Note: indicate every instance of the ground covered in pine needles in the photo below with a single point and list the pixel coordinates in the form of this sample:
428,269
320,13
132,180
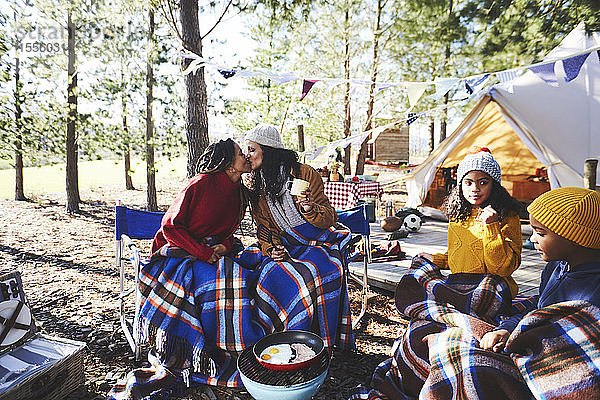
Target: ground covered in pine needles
70,279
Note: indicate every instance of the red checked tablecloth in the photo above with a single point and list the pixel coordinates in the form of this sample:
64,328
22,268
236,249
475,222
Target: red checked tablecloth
344,195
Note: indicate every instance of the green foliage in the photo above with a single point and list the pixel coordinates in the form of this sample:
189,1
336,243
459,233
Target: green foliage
520,32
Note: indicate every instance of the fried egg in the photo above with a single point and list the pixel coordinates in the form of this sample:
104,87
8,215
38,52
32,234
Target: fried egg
277,354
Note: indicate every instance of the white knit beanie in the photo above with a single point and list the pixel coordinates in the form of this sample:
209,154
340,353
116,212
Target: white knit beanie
266,135
480,161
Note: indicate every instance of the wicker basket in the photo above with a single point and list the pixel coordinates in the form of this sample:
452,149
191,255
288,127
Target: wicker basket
59,366
55,381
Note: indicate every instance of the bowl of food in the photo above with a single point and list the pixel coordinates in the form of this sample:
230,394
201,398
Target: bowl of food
289,350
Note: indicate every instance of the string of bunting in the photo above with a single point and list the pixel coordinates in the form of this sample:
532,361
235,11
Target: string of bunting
545,70
469,87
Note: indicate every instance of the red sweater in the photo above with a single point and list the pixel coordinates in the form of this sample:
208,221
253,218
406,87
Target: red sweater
208,206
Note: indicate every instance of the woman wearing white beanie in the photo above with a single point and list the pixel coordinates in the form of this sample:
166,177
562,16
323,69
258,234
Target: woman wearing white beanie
295,234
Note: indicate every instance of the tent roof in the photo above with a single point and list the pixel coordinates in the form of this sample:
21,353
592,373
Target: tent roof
492,131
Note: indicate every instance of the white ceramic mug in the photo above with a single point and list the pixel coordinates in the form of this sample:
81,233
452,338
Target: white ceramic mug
298,186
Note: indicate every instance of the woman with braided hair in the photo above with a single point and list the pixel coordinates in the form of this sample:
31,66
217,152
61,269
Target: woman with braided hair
195,305
208,210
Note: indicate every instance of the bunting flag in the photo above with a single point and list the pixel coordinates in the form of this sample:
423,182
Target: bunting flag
306,86
284,78
473,83
383,86
545,72
573,65
443,86
508,75
226,73
415,91
412,117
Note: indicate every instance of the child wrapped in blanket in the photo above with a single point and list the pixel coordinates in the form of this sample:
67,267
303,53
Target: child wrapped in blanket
484,234
566,233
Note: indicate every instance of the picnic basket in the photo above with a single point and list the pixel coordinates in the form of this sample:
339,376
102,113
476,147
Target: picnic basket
33,365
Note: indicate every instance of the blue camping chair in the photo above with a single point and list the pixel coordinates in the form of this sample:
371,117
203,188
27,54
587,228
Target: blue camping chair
357,221
132,224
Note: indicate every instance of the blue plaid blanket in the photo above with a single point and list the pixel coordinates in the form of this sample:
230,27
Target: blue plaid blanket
198,317
553,354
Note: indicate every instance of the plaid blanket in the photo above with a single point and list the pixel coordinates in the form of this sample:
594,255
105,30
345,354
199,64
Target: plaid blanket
553,353
198,317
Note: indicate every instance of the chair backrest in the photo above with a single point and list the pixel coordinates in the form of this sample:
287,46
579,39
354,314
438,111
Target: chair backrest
137,224
356,219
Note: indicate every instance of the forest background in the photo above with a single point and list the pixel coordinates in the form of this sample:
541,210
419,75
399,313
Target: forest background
100,79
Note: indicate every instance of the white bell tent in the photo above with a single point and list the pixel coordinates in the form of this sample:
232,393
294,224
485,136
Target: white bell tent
530,123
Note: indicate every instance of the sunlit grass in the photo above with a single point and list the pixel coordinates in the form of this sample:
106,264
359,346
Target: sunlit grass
51,178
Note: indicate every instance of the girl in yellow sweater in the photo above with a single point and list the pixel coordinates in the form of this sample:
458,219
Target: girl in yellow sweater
484,233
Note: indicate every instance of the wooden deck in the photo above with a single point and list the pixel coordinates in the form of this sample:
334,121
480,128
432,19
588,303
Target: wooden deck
432,238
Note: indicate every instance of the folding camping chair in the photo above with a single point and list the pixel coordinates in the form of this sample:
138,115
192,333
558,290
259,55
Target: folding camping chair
357,220
132,224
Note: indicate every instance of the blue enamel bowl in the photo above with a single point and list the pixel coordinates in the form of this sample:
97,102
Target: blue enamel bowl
266,384
301,391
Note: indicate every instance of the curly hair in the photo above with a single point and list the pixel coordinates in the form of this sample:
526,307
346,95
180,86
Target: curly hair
277,164
457,208
216,157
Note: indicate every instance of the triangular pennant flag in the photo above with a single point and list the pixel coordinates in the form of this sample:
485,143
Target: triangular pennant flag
572,66
443,86
284,78
306,86
383,86
332,83
226,73
546,73
412,117
472,83
415,91
508,75
247,73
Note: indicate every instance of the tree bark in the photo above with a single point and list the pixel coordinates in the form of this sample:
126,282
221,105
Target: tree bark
301,147
72,179
126,145
150,169
19,187
347,118
196,121
444,121
362,155
589,174
431,135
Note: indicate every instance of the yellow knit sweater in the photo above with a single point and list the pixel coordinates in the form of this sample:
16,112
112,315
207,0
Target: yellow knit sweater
479,248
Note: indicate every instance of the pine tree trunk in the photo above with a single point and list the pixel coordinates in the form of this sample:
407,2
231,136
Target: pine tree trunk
362,155
348,117
150,170
431,135
72,179
126,146
196,121
444,122
19,187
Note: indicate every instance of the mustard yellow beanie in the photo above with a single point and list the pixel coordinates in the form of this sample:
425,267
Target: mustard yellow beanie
571,212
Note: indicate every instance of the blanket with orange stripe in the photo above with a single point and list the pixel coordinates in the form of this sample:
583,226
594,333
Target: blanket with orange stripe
198,317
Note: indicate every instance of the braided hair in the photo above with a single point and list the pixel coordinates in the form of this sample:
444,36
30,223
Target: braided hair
216,157
277,164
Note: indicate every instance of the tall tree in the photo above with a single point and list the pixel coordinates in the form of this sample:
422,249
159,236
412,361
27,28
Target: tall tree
150,168
72,173
377,31
19,189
